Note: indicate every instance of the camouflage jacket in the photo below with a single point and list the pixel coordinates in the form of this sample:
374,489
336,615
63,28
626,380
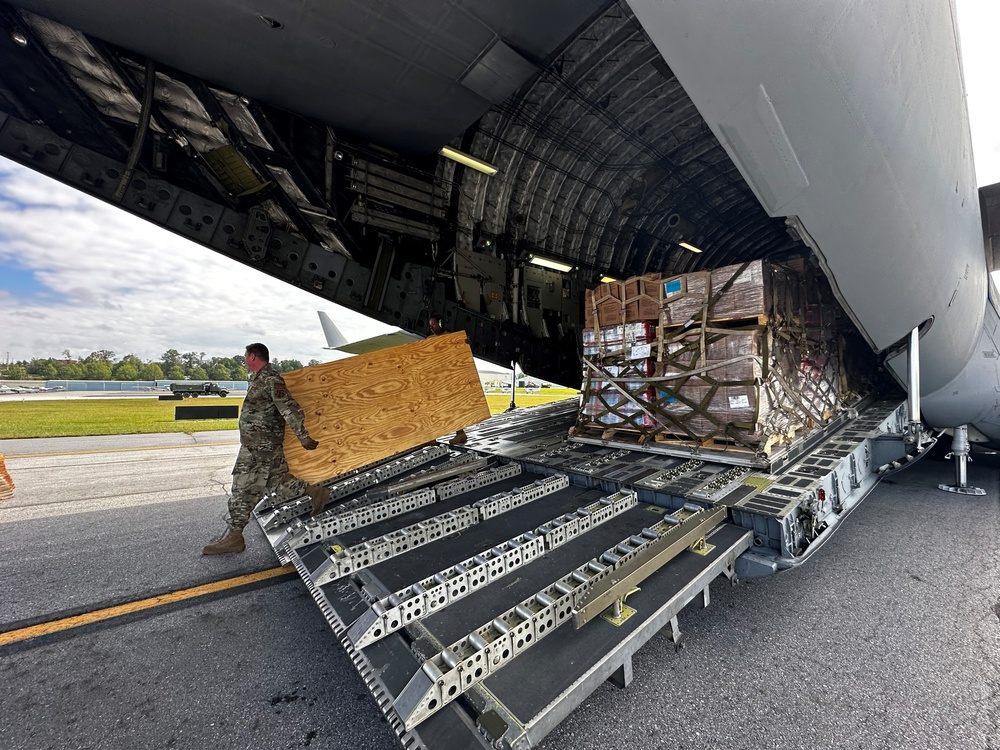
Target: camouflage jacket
266,409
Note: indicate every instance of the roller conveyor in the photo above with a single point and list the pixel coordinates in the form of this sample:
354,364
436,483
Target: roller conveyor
415,625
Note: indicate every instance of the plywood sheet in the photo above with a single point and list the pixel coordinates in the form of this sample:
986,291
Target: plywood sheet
374,405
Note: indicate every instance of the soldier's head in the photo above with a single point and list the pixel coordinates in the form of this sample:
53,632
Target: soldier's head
257,356
434,324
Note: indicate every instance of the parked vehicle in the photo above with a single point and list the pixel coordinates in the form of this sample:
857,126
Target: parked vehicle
193,390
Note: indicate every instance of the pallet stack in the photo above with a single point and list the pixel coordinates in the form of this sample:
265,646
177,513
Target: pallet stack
744,357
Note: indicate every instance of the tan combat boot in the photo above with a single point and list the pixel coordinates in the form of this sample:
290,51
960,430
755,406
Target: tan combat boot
319,496
230,542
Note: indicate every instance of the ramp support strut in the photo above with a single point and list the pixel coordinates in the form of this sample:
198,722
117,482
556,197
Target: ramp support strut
913,396
960,452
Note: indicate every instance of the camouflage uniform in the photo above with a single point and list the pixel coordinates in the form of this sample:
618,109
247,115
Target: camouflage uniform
260,466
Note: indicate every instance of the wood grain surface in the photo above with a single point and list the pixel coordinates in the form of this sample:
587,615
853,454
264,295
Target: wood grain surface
374,405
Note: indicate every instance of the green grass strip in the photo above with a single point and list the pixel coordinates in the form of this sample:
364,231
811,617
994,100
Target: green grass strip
99,416
133,416
499,403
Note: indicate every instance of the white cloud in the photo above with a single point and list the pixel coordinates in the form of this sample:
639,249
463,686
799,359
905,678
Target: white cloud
113,281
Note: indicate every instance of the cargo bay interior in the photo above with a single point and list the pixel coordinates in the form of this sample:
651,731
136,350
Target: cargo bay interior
724,430
604,162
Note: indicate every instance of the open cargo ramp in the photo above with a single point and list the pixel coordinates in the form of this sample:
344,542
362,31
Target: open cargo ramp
484,592
548,676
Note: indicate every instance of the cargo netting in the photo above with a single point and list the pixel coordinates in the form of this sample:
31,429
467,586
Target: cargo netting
744,356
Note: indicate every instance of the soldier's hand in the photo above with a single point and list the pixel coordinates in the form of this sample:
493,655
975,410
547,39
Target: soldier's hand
309,444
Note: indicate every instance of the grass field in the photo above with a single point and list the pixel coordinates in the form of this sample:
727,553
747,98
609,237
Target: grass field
131,416
98,416
499,402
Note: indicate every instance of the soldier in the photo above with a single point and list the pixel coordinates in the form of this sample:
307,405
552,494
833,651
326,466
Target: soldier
260,466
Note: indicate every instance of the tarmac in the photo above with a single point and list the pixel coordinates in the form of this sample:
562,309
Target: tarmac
888,637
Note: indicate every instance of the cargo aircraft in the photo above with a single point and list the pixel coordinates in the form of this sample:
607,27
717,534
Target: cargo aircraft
489,162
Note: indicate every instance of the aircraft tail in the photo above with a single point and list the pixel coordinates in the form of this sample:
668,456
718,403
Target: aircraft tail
334,338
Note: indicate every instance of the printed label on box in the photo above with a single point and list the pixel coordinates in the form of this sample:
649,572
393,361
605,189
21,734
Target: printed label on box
641,352
672,287
739,402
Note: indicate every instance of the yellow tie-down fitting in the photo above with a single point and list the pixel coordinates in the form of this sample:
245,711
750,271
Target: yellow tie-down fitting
619,612
701,547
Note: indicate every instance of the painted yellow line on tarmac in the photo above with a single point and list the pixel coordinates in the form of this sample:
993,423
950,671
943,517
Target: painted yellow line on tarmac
118,450
108,613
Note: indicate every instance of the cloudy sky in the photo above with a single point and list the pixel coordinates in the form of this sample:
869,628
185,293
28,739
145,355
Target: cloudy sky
77,274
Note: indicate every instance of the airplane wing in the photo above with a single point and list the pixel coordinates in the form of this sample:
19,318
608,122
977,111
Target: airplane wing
376,343
336,340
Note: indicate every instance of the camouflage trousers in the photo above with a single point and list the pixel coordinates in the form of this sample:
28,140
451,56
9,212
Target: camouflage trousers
256,474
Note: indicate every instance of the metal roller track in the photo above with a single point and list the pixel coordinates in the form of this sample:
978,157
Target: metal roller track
721,480
343,562
371,677
568,526
347,561
454,670
419,600
316,530
462,464
330,524
356,483
480,479
502,502
673,537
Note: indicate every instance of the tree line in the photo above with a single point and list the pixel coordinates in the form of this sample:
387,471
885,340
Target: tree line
103,365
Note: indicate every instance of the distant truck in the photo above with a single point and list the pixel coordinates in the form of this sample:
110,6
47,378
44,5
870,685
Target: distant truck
193,390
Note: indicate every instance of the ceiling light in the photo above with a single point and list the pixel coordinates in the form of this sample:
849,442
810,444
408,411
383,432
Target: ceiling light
555,265
19,38
608,279
470,161
686,246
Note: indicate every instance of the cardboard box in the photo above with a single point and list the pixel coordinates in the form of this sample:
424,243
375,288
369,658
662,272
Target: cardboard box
619,340
642,297
701,411
607,303
753,390
604,405
729,293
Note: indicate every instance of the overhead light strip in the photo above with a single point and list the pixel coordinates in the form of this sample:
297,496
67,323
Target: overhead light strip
468,160
686,246
555,265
